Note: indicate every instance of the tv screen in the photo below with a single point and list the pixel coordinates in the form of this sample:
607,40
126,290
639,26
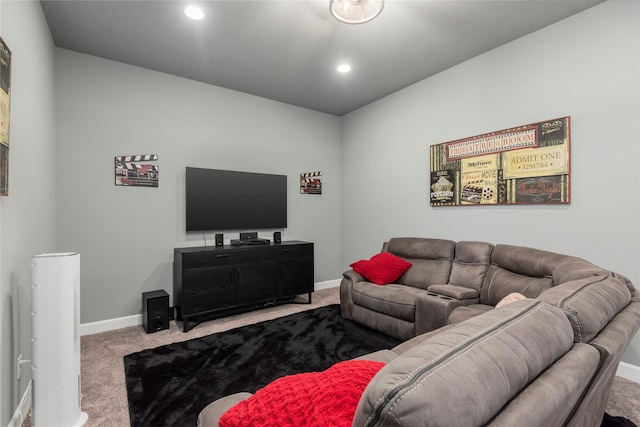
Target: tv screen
233,200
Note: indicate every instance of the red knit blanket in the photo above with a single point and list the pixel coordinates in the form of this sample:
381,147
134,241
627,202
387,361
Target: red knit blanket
314,399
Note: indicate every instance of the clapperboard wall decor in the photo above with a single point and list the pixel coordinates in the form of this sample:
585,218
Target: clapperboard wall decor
137,171
311,183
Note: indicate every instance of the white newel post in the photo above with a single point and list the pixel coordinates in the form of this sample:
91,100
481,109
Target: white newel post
55,340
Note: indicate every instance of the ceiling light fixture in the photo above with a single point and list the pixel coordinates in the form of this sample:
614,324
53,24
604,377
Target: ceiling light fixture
194,12
355,11
344,68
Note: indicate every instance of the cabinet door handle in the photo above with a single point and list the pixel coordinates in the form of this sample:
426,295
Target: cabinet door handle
222,256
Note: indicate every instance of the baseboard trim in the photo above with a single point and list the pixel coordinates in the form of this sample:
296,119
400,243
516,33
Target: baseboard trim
327,284
136,319
629,372
110,324
23,409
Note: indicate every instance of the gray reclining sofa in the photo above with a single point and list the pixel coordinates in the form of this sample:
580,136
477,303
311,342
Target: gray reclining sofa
547,360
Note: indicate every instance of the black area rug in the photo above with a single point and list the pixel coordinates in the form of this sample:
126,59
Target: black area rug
170,385
609,421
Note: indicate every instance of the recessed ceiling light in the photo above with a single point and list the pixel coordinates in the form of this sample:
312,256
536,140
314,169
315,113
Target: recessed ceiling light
194,12
344,68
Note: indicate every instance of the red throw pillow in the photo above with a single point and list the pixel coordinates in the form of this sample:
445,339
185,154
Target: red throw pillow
382,268
316,399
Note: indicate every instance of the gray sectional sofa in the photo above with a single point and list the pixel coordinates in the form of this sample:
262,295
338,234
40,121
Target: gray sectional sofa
547,360
449,282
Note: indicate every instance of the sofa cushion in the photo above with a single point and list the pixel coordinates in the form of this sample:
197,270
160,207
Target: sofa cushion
466,312
431,259
464,375
526,261
573,268
470,264
314,398
388,325
589,303
518,269
394,300
381,268
500,282
462,313
421,248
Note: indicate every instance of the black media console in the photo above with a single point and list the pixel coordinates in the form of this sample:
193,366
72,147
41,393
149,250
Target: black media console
216,281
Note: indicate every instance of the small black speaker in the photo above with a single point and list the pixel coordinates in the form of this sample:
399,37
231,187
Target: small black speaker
277,237
219,239
155,311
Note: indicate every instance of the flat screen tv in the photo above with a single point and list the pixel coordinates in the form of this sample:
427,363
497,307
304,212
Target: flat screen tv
234,200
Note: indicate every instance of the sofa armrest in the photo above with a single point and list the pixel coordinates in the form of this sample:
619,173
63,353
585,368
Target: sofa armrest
349,277
611,342
432,310
384,356
353,276
412,342
210,415
626,281
454,291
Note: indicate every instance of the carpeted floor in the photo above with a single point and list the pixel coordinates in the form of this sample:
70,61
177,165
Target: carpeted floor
103,379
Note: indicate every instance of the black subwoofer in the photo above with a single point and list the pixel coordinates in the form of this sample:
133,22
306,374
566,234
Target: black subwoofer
155,311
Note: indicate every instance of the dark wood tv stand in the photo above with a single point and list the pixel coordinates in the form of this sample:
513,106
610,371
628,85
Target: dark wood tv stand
215,281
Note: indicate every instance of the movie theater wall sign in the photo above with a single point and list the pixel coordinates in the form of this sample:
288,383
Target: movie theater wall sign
5,103
521,165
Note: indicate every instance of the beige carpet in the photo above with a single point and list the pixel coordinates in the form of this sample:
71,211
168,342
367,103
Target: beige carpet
103,383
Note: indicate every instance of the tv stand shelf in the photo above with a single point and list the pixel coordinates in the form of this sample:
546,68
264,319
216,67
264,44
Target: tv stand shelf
216,281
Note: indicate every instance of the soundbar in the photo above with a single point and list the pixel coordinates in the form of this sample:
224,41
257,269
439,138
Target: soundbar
256,241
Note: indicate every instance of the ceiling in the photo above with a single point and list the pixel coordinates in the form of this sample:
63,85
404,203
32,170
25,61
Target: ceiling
288,50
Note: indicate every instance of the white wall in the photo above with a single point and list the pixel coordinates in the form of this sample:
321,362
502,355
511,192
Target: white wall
126,235
579,67
27,215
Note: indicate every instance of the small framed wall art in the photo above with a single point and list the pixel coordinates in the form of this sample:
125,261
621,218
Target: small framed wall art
311,183
137,171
